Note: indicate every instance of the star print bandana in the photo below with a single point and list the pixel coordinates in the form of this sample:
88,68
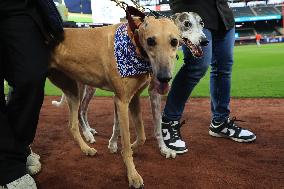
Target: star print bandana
127,60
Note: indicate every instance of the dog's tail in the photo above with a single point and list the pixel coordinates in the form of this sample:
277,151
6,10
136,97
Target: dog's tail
59,103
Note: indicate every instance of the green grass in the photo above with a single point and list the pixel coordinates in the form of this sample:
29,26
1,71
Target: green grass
83,18
257,72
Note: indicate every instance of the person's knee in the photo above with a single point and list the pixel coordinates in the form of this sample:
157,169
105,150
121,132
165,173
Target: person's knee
221,70
203,69
198,70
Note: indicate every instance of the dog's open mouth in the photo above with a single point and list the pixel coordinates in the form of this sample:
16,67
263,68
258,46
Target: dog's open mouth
162,87
195,49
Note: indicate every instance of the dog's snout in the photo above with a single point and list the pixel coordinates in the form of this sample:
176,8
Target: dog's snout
204,41
164,78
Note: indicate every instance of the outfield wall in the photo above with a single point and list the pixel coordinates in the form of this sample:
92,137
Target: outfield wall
250,40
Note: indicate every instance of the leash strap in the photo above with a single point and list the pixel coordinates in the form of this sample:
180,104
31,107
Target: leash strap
132,11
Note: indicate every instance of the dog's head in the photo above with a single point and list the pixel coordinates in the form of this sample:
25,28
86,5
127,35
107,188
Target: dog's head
160,39
191,25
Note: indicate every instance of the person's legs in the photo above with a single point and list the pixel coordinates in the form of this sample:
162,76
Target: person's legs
26,61
220,87
7,139
186,79
183,84
2,95
220,75
258,42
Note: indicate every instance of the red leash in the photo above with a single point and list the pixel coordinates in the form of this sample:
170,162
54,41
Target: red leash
132,11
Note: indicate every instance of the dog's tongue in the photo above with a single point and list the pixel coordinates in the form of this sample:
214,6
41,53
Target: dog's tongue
163,88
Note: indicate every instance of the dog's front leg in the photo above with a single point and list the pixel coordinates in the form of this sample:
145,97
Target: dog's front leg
134,178
155,99
135,113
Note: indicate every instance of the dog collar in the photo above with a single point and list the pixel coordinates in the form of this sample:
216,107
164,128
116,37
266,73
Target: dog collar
127,60
133,27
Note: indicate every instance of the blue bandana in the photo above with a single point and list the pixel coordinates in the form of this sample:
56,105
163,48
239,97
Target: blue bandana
127,60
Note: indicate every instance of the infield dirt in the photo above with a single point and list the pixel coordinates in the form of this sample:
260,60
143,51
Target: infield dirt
210,162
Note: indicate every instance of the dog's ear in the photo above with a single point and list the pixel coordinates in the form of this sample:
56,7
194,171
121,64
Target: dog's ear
174,16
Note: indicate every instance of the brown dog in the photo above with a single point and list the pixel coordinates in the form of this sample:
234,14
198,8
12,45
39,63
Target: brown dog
190,25
87,56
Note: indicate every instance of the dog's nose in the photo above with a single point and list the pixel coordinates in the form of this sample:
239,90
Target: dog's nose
163,78
164,75
204,41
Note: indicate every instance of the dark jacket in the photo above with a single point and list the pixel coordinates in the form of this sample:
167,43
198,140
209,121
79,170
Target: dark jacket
49,21
43,12
216,14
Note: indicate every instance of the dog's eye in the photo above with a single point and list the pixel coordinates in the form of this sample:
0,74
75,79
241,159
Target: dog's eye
151,41
174,42
187,24
201,23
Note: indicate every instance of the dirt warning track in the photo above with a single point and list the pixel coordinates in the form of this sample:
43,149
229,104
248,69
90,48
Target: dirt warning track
210,162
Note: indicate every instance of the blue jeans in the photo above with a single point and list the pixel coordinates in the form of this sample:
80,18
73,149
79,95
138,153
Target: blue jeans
219,54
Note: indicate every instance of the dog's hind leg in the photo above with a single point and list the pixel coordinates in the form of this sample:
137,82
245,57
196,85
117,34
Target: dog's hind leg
155,100
87,94
122,111
112,144
135,113
71,90
73,102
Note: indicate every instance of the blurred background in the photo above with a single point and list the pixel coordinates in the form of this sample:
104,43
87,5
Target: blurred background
252,17
258,69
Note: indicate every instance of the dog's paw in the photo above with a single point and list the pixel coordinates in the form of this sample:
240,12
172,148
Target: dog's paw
89,136
89,151
135,180
93,131
168,153
112,146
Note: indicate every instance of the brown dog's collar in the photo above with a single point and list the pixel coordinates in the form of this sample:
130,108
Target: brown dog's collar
135,40
132,28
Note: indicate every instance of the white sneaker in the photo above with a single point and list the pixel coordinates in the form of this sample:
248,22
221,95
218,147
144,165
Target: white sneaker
228,129
25,182
33,164
172,136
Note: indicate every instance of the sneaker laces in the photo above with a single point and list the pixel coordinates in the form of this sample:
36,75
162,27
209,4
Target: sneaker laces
232,123
176,131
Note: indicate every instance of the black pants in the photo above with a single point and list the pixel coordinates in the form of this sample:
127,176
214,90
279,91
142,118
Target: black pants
23,63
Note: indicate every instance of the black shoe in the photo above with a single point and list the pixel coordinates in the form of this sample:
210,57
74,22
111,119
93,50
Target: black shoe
172,137
228,129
